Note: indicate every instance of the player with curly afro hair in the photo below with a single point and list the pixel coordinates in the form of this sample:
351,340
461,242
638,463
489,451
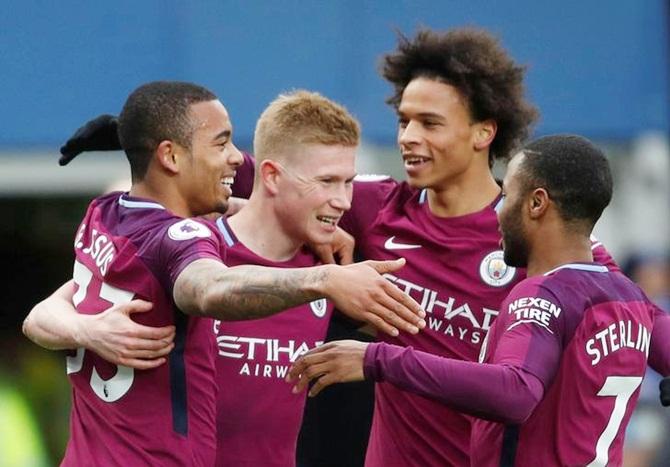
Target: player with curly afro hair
474,63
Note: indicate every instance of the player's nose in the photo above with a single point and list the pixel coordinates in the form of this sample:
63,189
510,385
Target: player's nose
342,198
409,135
235,157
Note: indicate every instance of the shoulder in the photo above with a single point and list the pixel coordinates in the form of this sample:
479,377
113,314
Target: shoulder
175,237
536,285
374,184
535,301
180,230
383,188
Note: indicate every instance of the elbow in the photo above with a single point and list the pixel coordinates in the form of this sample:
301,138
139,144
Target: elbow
520,401
512,412
208,304
31,330
198,305
521,408
27,327
205,303
519,415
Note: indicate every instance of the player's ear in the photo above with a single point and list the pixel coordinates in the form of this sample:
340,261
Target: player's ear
484,134
270,173
539,203
167,156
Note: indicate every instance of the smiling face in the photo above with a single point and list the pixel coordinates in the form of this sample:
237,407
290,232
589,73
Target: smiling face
435,133
511,217
314,189
207,173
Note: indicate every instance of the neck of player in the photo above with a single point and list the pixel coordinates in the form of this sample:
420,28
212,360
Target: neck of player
266,238
554,247
469,193
167,196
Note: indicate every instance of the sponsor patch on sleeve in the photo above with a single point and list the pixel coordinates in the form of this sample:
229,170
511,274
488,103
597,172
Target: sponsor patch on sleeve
533,310
188,229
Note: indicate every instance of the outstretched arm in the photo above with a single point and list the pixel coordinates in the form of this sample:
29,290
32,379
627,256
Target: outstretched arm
498,392
523,358
55,324
206,287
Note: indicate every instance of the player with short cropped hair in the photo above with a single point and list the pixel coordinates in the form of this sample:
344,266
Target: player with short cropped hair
563,362
146,244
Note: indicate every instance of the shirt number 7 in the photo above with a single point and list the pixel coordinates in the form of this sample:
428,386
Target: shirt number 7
622,388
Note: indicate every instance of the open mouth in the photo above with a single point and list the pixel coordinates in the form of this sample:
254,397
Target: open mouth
228,181
414,161
328,220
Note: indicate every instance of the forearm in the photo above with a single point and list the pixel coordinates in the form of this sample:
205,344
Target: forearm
247,292
497,392
54,323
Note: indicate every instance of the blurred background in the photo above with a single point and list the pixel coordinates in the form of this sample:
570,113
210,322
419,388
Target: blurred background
600,69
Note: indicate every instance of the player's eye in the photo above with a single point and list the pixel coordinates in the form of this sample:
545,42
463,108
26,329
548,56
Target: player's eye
402,122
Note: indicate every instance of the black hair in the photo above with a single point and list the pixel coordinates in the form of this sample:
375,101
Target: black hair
575,173
156,112
474,63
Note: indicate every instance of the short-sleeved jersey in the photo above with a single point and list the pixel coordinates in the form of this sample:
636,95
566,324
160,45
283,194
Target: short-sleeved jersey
585,334
258,418
132,248
455,271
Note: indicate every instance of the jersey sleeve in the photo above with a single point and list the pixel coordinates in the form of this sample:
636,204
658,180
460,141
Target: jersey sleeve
602,256
531,337
659,350
183,242
244,177
370,191
496,392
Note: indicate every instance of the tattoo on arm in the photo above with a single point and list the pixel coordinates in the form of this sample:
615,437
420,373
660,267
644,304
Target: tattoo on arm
245,292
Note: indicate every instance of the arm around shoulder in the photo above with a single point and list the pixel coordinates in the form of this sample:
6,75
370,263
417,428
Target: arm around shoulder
55,324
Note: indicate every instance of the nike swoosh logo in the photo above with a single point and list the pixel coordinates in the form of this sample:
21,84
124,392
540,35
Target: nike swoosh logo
390,244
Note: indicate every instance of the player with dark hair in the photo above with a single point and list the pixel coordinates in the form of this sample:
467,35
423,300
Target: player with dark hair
473,64
146,244
460,104
564,360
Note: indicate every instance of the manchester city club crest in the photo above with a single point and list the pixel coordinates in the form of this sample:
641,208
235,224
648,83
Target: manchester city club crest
494,271
319,307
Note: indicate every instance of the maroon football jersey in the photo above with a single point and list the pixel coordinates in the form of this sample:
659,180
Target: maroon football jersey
132,248
258,418
455,271
585,333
